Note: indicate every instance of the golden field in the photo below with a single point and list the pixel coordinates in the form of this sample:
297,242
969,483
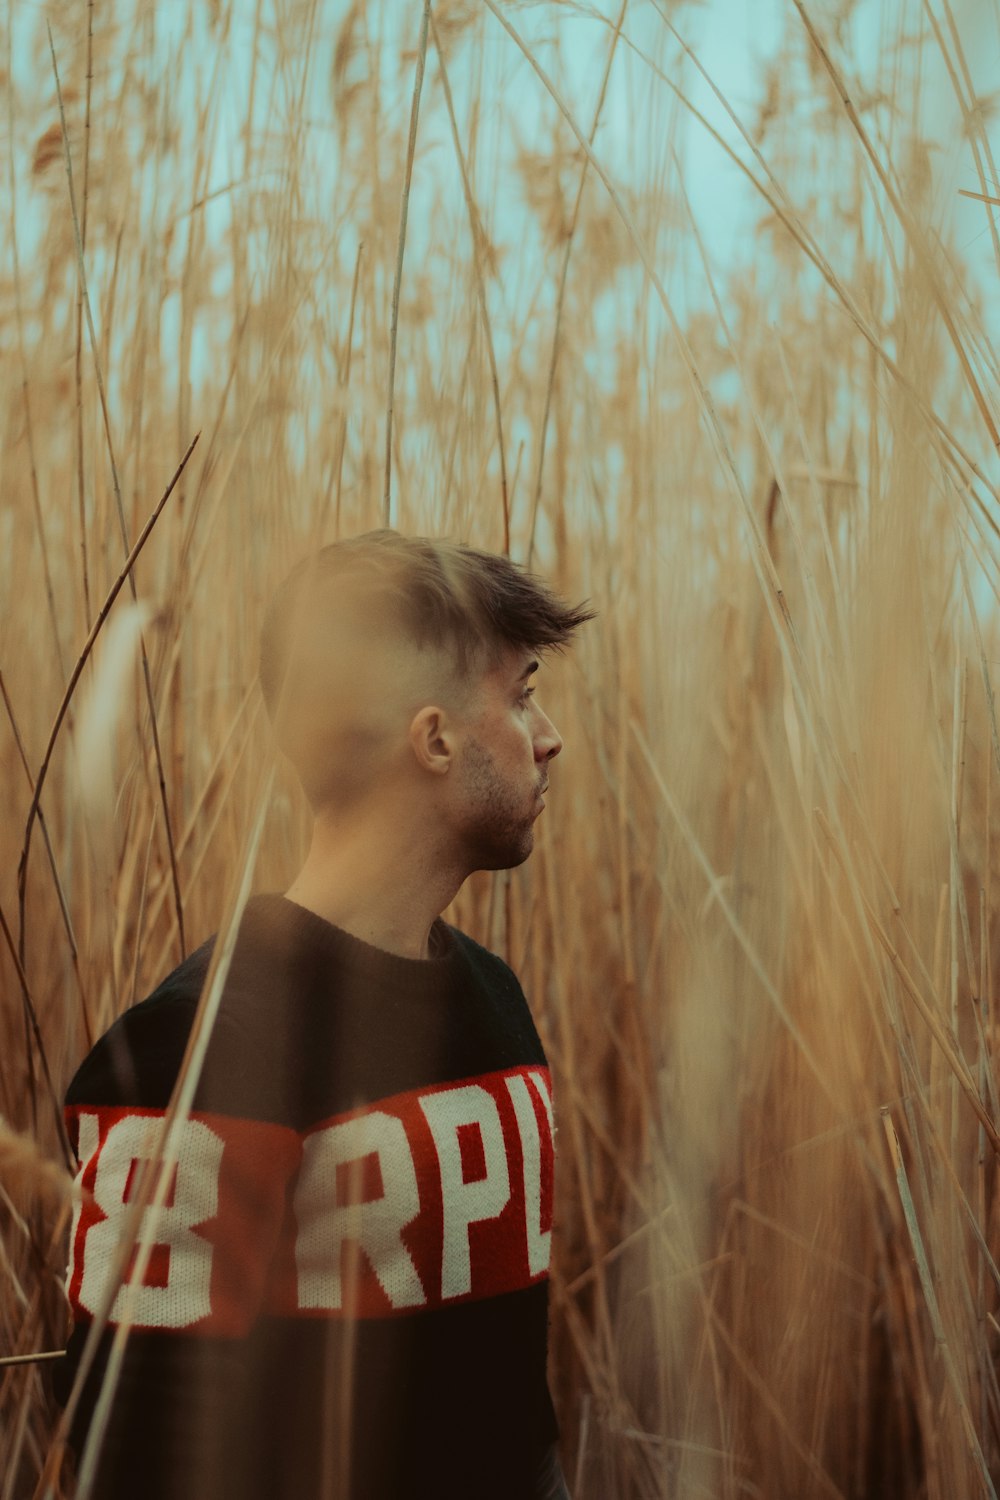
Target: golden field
759,930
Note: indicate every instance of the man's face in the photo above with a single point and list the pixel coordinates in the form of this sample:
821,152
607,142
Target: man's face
503,767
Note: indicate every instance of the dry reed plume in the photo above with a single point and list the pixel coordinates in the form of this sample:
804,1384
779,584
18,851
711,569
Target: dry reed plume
759,930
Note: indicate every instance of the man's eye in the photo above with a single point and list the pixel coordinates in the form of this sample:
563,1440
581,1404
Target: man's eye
525,696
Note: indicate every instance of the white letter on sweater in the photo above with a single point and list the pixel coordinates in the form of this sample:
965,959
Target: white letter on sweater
539,1243
183,1295
88,1140
376,1226
464,1202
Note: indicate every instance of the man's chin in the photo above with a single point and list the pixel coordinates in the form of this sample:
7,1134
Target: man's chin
522,853
507,858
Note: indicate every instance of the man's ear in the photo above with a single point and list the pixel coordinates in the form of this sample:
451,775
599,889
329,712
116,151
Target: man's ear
433,740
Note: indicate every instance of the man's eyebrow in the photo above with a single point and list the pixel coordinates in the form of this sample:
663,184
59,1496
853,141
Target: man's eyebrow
531,667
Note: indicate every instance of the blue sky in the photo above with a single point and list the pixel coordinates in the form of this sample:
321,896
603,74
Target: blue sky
734,40
643,136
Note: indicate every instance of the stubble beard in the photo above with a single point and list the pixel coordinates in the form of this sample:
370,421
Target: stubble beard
499,826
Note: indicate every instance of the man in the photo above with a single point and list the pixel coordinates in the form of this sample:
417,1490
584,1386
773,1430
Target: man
346,1291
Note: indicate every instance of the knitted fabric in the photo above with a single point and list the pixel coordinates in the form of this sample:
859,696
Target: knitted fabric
346,1293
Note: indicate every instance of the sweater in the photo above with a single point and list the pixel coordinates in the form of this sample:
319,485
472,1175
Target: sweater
347,1296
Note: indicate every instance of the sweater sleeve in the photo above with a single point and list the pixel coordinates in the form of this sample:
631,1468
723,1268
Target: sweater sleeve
175,1421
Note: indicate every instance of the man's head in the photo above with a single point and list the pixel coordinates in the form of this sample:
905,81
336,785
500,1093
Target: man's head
399,668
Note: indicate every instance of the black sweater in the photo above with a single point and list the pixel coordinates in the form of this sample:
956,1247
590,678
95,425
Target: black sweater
348,1292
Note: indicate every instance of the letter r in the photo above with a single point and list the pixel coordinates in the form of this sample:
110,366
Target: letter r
325,1224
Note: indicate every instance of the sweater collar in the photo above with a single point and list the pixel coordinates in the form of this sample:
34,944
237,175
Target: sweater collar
275,918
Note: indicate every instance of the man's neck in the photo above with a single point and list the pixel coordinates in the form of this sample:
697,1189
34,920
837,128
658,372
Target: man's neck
383,885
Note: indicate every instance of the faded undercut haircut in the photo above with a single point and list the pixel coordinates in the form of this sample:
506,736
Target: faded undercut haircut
471,605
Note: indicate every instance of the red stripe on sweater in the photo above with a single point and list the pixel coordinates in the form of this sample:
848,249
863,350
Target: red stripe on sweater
216,1235
426,1198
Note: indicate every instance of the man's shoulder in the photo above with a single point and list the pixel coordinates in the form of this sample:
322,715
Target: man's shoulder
488,966
504,1007
137,1059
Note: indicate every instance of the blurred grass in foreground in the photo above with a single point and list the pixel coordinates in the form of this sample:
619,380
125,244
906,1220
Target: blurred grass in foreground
759,929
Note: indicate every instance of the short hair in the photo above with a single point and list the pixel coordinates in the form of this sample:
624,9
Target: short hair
446,595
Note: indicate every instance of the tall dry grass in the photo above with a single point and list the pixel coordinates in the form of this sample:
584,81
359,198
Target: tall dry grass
759,930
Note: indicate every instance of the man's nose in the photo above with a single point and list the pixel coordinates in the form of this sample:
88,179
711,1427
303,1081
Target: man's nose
548,742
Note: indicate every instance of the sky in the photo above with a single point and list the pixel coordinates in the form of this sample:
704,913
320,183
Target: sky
645,137
734,41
